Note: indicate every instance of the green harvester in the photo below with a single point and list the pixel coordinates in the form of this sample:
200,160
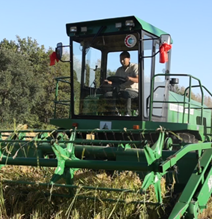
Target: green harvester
167,134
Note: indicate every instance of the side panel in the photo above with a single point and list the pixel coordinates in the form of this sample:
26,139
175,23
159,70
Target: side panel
176,110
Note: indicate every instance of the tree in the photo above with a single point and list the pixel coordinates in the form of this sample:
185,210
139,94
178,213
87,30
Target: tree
18,89
27,83
45,106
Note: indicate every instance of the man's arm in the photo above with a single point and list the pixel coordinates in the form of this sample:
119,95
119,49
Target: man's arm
135,72
134,80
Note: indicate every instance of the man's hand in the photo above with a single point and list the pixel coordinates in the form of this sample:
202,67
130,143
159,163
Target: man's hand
107,82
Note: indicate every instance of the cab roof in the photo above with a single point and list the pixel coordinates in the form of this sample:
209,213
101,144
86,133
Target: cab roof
109,26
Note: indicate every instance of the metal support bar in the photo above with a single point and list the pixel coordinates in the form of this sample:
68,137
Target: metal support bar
88,164
172,160
198,181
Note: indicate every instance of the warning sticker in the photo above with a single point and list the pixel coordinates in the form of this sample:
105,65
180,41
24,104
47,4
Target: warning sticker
105,125
130,40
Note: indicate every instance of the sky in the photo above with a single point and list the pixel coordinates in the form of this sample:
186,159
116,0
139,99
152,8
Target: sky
189,23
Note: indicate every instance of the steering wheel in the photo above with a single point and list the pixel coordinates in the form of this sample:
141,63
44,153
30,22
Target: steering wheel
114,87
117,80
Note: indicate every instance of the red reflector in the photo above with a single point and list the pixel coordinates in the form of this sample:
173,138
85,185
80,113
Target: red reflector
164,48
53,57
136,126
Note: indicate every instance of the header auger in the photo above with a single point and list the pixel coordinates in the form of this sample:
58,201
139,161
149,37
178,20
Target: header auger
167,137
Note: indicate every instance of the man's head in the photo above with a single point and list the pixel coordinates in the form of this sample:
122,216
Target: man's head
125,58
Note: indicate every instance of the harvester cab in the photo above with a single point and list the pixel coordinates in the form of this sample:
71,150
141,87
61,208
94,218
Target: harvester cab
162,131
95,48
156,100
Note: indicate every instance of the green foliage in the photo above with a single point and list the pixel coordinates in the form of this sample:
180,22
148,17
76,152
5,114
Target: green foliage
45,107
87,76
18,91
27,84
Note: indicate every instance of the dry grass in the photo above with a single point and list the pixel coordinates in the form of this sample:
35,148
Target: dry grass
38,202
19,127
207,213
33,201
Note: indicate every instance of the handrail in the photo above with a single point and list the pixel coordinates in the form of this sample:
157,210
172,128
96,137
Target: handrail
61,102
188,103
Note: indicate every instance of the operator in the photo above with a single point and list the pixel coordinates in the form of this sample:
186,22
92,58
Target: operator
129,89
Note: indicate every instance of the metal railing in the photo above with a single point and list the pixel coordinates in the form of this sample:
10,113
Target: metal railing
187,105
61,102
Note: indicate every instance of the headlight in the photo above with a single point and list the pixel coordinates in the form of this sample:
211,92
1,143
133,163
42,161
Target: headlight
84,29
73,29
118,25
129,23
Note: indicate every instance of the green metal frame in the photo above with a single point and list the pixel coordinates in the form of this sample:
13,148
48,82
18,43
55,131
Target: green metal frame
152,160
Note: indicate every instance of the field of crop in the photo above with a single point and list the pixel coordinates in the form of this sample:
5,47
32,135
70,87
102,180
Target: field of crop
33,201
40,202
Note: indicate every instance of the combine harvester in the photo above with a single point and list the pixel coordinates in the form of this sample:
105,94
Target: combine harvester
168,132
